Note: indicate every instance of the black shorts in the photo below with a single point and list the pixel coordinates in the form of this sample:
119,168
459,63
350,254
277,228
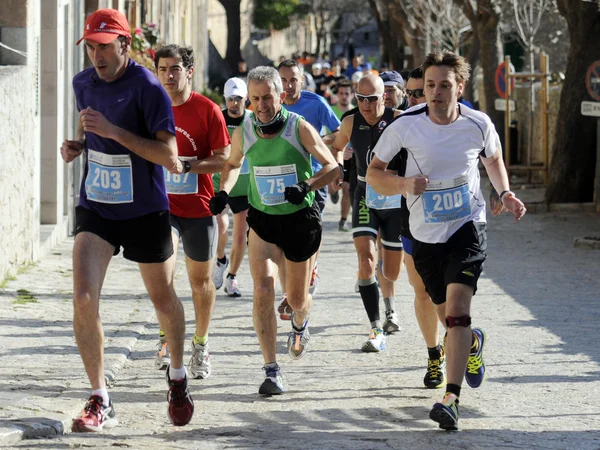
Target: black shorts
321,198
238,204
460,260
368,221
145,239
347,169
199,236
298,235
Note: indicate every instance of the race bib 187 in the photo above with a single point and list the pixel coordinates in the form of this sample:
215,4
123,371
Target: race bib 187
181,184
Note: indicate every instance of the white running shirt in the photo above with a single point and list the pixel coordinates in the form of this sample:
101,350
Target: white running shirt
449,156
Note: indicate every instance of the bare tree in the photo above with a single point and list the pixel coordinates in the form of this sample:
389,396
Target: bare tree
528,18
573,165
391,43
327,12
442,22
485,16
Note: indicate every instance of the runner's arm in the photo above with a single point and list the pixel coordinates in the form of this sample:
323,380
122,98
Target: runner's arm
312,142
342,138
231,168
213,163
383,181
494,166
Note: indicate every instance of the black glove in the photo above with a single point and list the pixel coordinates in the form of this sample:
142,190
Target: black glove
295,194
218,203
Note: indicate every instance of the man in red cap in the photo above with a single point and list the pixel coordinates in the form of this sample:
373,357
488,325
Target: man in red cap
126,134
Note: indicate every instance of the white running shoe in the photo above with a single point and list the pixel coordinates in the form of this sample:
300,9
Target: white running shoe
199,364
162,358
218,273
231,288
376,342
391,324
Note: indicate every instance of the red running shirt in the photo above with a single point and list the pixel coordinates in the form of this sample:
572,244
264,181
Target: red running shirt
201,128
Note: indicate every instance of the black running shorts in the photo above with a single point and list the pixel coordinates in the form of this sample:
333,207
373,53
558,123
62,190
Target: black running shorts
145,239
459,260
298,234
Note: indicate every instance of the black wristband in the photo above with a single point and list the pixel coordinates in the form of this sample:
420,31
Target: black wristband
502,194
187,166
308,186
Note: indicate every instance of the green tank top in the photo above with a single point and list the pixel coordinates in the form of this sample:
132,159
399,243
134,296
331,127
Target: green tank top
275,164
241,185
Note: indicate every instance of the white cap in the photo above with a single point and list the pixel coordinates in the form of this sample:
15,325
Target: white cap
357,76
235,87
316,66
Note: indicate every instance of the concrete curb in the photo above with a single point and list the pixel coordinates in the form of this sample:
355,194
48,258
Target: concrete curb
14,431
589,242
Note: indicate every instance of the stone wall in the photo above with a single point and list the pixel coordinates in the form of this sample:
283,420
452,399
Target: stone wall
19,161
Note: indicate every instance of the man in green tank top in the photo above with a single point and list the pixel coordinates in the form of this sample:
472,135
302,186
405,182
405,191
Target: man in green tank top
284,220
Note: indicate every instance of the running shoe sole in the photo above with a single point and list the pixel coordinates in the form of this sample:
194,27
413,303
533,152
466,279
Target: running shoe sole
390,327
269,388
445,420
368,347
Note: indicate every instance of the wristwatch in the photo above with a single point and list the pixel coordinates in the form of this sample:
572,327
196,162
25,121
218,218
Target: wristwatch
187,166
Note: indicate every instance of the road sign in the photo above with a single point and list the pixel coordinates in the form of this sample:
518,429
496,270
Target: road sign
590,109
592,80
500,104
500,79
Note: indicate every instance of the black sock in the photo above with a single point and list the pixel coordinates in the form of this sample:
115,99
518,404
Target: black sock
370,298
231,275
453,389
222,260
343,220
435,352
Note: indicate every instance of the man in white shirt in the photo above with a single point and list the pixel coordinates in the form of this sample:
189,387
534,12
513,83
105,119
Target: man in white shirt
442,143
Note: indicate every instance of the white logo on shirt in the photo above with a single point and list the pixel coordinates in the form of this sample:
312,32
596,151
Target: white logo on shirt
121,99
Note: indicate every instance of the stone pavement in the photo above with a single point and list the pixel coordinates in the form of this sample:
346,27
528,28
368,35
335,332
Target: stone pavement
538,301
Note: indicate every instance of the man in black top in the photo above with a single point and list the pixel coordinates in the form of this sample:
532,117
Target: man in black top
394,90
371,212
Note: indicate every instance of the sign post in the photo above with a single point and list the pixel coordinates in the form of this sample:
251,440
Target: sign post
592,109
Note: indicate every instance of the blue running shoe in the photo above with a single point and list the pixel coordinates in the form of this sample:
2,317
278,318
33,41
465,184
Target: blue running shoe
273,384
446,412
475,374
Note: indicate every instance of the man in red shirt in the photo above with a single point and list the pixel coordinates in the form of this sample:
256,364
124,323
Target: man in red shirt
203,146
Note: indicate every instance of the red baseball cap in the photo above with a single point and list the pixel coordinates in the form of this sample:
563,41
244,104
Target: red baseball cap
105,25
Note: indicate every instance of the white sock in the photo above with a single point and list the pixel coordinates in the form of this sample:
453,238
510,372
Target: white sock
102,393
177,374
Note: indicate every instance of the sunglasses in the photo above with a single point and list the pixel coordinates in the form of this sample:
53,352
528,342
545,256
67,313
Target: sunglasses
368,98
416,93
234,99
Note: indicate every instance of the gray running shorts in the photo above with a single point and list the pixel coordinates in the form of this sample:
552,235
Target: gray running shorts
199,236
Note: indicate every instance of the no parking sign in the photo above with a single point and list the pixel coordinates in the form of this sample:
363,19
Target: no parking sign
500,79
592,80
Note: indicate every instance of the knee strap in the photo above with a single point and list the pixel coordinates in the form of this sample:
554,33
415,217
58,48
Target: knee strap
462,321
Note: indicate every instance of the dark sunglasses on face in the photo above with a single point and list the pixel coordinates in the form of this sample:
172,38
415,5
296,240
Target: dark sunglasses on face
234,99
368,98
416,93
